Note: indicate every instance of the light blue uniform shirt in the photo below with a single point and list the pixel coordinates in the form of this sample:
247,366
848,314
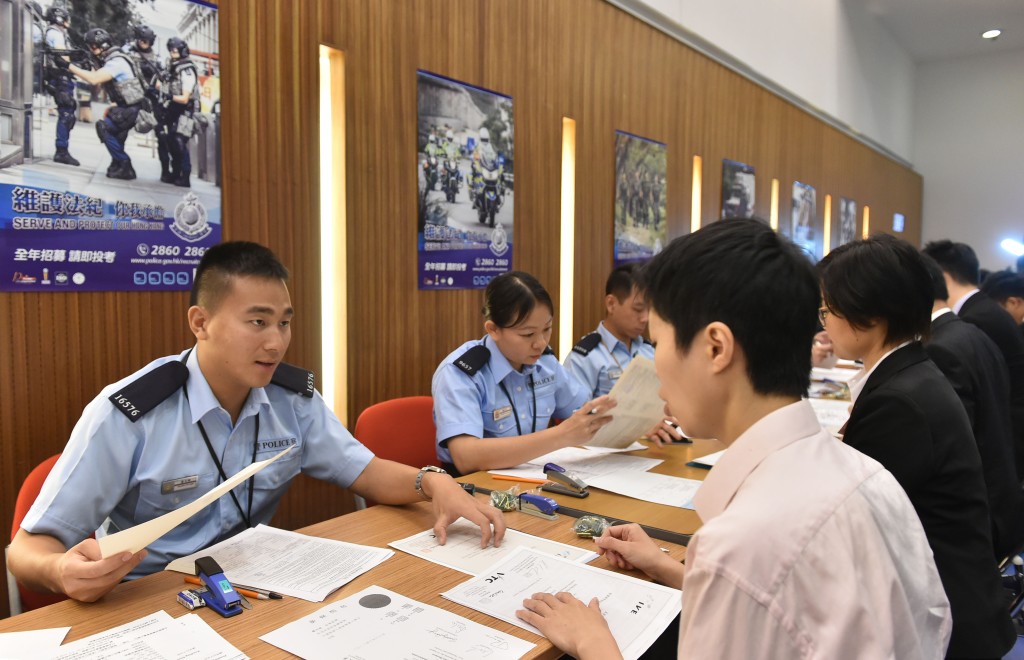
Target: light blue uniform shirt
476,405
119,69
115,474
599,370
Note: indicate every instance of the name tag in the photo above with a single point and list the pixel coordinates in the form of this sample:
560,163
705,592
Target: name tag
614,374
178,485
502,413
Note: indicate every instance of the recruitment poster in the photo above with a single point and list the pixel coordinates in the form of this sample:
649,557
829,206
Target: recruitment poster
737,189
802,229
110,144
847,220
465,171
640,199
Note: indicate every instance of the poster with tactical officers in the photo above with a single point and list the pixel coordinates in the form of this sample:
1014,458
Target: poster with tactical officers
641,201
109,144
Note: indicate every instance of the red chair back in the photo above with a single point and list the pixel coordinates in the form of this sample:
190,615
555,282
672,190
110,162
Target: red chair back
30,488
400,430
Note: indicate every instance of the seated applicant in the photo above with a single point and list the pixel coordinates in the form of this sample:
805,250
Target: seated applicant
495,397
973,366
878,299
808,548
169,433
599,359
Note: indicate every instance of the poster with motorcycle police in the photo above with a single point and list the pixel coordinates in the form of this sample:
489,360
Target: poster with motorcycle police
464,165
110,144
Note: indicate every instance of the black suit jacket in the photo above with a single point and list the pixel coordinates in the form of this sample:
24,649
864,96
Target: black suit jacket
996,322
908,418
974,367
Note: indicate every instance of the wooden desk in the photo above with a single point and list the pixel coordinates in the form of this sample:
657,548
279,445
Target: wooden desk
604,503
376,526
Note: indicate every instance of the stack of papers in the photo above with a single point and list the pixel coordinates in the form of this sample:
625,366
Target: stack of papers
637,611
378,623
306,567
584,462
31,643
650,487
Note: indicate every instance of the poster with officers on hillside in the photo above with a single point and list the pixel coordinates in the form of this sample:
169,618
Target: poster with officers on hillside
109,144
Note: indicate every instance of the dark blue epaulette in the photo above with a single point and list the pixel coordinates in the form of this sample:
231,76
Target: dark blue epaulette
149,390
296,379
548,350
473,360
587,344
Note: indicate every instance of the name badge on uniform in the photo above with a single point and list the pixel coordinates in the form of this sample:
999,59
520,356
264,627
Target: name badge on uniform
178,485
614,374
502,413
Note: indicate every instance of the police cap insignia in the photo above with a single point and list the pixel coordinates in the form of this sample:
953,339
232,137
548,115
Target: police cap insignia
150,390
472,360
298,380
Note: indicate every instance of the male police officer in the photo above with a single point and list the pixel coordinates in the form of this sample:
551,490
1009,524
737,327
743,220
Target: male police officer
59,82
121,81
178,112
164,436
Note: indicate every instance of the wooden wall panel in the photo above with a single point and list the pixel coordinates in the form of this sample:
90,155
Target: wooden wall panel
584,59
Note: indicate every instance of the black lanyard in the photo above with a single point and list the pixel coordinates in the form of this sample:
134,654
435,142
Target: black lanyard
515,413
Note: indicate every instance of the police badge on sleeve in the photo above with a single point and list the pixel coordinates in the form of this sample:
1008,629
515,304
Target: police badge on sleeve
190,219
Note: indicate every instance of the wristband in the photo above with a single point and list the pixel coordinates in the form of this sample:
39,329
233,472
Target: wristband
419,478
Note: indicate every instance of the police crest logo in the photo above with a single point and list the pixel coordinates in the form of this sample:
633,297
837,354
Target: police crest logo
499,241
190,219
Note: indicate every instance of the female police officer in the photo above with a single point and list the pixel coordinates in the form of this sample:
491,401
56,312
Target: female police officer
494,397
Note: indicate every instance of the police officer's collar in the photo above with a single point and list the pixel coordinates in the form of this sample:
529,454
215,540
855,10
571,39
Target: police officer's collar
201,398
500,366
610,340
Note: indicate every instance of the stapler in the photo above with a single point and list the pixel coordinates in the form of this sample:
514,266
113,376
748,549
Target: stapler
538,505
561,481
220,596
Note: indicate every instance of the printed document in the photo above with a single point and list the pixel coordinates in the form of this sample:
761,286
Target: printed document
650,487
30,643
637,611
639,406
831,414
293,564
582,461
138,537
378,623
155,637
462,550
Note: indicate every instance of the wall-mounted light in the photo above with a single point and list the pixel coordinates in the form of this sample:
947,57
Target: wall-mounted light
773,212
991,35
695,198
826,238
1016,248
867,223
567,239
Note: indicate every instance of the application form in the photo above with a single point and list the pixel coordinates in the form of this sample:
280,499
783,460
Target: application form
639,406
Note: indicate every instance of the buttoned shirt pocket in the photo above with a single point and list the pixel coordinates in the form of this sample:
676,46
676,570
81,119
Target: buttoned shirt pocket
502,427
279,473
159,497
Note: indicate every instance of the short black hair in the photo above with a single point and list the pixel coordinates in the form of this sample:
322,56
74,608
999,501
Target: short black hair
939,289
879,278
1002,285
956,259
758,283
510,297
232,259
621,281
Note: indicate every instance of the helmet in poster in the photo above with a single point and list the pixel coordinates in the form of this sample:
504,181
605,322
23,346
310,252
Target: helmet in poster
449,135
144,33
97,38
432,139
175,43
57,15
485,135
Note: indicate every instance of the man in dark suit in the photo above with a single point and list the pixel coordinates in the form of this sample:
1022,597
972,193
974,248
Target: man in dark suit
1007,289
960,267
974,367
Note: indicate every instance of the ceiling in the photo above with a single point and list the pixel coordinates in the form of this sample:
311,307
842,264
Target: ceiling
931,30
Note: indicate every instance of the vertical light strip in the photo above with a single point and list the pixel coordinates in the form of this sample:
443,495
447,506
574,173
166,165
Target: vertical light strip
698,178
826,240
773,213
333,250
867,222
566,275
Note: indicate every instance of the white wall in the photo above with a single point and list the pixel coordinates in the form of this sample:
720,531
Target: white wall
969,147
831,53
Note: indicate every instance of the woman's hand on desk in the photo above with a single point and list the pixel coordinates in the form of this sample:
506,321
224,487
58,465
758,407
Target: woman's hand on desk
575,628
451,503
628,547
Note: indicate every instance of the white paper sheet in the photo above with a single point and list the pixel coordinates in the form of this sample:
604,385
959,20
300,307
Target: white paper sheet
639,406
636,446
31,643
835,374
832,414
650,487
138,537
155,637
707,461
306,567
378,623
462,550
637,611
584,462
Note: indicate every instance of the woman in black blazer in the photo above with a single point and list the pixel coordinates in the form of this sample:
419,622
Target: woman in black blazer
877,306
